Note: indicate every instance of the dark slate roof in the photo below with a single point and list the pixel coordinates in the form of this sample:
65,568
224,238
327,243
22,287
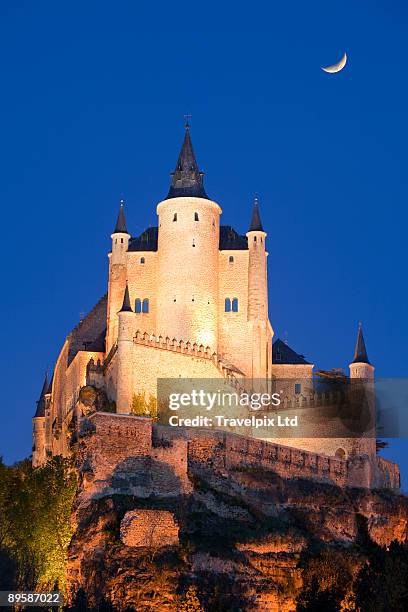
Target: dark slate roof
120,226
360,353
98,345
147,241
256,223
126,307
40,412
187,180
282,353
231,240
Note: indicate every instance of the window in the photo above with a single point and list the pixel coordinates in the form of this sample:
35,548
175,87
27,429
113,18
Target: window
145,306
193,242
340,453
254,238
142,260
278,356
196,216
235,305
227,305
138,306
175,217
298,388
121,240
231,259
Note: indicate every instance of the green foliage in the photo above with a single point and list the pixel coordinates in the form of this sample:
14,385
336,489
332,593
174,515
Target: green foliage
144,407
35,510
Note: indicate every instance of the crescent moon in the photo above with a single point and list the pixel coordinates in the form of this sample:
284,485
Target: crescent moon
336,67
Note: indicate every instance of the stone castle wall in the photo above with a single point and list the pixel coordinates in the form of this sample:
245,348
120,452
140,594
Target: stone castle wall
233,327
126,455
142,283
149,528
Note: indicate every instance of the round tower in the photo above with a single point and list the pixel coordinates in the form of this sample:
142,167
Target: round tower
258,294
188,246
363,396
39,441
124,383
117,275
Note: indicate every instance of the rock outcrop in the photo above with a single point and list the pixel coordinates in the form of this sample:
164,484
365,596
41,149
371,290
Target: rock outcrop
238,535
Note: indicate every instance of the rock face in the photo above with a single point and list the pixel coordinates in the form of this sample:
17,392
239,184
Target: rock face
147,526
149,529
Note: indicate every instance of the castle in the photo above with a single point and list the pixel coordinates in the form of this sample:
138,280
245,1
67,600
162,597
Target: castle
187,298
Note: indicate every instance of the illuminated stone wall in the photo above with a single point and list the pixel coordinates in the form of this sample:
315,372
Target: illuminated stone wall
187,279
149,528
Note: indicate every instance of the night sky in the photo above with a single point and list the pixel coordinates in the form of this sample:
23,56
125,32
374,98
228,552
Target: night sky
92,105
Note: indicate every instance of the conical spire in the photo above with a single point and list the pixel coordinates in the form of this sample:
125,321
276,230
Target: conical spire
360,353
40,412
187,180
126,307
120,227
256,223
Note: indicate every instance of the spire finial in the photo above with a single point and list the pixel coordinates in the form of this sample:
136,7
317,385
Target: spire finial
360,352
256,223
187,118
120,227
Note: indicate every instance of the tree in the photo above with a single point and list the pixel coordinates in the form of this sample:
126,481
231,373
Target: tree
382,584
189,602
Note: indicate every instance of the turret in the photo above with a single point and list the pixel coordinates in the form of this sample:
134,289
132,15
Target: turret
126,333
257,273
360,367
39,450
258,293
120,237
117,275
188,247
363,397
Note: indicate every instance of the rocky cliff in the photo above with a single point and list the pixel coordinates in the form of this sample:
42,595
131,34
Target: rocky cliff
148,527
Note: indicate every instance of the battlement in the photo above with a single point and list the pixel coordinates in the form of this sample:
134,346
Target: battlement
191,349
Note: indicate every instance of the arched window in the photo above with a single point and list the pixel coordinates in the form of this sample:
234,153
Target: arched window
121,240
231,259
138,306
175,217
196,216
340,453
193,242
142,260
145,306
227,305
235,305
254,238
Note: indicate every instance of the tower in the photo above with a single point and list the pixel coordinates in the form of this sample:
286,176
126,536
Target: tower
363,396
188,244
117,275
360,367
124,385
258,295
39,454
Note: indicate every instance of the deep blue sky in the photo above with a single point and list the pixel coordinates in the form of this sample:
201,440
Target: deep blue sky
92,105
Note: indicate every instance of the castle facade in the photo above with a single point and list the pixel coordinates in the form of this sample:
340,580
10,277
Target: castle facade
187,298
